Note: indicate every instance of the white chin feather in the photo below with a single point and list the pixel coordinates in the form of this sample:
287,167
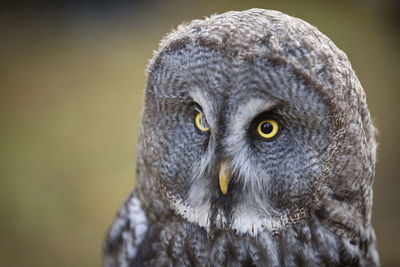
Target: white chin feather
244,220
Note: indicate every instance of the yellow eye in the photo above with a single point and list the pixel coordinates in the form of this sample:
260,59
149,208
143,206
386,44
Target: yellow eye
201,122
267,129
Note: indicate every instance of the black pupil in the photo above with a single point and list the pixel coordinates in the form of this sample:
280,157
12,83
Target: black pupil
267,127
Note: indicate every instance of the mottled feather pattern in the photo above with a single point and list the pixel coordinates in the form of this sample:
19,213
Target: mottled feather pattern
301,199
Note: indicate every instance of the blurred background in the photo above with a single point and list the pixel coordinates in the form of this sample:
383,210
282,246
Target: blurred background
71,89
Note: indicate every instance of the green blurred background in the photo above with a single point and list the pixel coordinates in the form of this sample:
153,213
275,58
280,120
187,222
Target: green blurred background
71,89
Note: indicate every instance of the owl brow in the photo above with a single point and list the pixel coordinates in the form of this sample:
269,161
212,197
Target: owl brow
272,106
175,100
175,104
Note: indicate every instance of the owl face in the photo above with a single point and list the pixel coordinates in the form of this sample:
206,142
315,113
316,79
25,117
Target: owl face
219,116
244,126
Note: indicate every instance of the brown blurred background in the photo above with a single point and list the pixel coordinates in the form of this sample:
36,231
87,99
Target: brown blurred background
71,88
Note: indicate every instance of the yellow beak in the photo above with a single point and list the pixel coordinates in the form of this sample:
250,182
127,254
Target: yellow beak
224,176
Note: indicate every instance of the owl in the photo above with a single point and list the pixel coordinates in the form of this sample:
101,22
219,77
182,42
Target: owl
256,148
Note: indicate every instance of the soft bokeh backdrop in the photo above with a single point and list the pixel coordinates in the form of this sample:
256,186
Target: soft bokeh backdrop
71,88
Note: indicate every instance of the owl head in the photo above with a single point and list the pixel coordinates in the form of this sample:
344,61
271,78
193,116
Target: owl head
254,121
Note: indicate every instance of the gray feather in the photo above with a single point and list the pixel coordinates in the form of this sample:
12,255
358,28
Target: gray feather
301,199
